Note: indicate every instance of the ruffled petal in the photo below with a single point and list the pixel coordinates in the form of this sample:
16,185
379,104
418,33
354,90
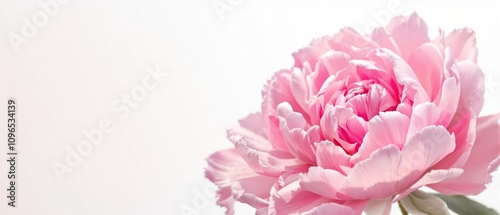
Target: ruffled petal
408,33
483,160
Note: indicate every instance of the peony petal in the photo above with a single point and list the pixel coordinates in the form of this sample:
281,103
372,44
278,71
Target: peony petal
483,160
299,142
389,170
382,38
330,208
300,88
268,162
406,76
471,89
292,199
280,92
225,168
408,33
421,203
324,182
433,177
329,65
348,39
331,156
423,115
310,55
378,135
253,191
427,63
463,44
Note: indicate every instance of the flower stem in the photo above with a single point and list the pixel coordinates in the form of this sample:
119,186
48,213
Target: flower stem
403,210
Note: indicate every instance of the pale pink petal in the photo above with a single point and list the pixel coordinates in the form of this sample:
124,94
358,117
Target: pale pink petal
329,64
389,170
423,115
465,134
225,168
448,101
269,162
280,92
374,177
483,160
408,33
378,135
253,191
463,44
324,182
330,123
310,55
331,156
471,88
330,208
299,142
405,76
292,199
432,177
300,88
382,38
348,39
427,63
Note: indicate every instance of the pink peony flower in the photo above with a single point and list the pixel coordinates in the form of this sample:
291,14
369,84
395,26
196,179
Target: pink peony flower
362,121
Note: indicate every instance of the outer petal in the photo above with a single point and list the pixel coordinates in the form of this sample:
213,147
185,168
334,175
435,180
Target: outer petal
484,159
269,162
310,55
348,39
471,89
427,63
408,32
330,208
224,169
254,190
389,171
432,177
324,182
463,44
382,37
292,199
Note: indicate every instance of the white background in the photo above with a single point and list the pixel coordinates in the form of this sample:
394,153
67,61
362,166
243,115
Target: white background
89,53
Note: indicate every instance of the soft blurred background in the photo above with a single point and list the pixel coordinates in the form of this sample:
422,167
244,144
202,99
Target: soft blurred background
72,64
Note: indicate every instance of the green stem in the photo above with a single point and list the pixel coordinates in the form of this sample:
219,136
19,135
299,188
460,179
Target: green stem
403,210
